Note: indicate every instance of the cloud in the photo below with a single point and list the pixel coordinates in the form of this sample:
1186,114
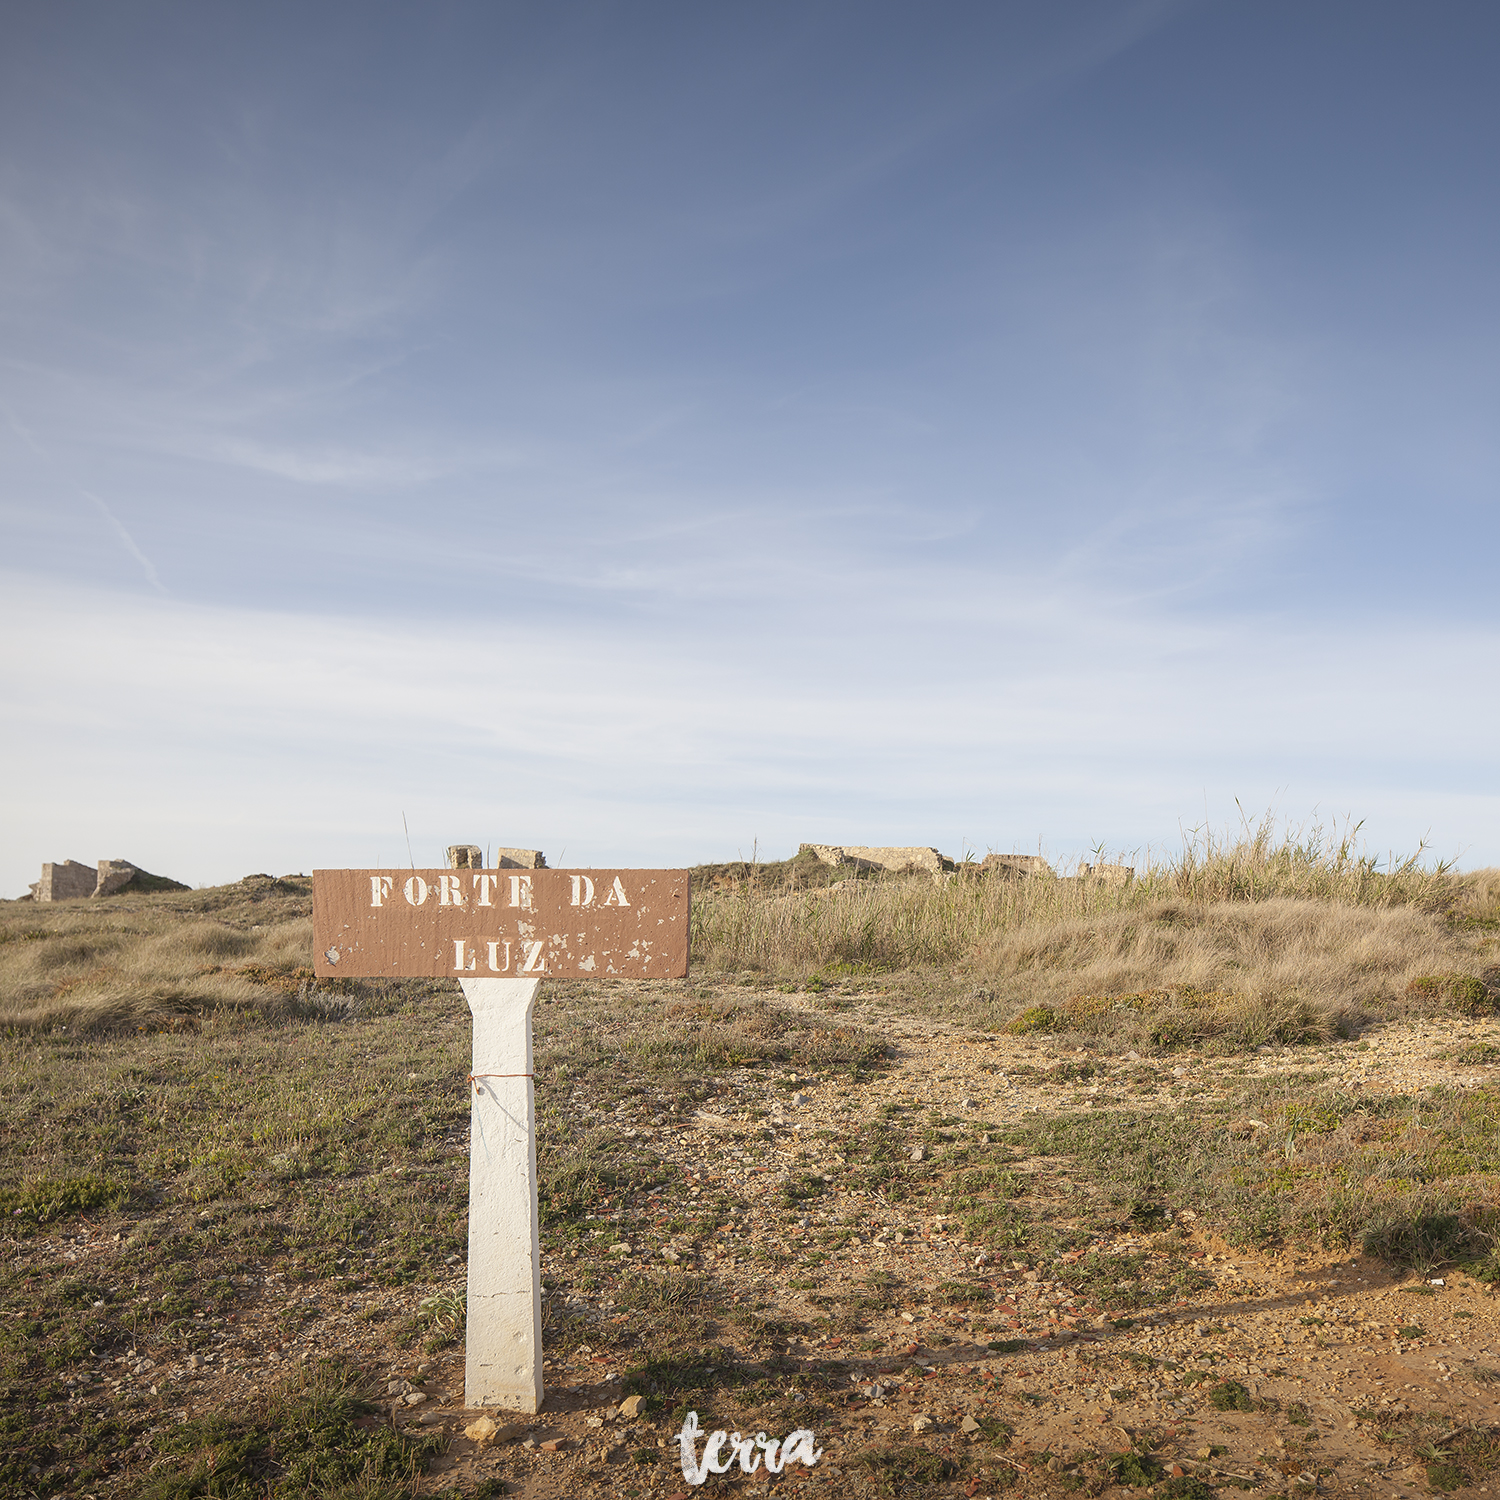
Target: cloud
345,467
221,740
127,541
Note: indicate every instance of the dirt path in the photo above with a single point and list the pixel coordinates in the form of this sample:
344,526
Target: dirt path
1274,1377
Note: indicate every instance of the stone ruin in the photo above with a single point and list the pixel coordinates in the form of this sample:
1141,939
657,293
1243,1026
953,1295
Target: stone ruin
68,880
1014,866
919,859
471,857
913,860
64,881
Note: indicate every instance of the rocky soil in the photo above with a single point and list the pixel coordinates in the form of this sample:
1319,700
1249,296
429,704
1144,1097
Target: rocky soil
1301,1374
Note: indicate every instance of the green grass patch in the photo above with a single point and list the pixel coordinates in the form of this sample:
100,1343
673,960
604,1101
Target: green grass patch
46,1198
306,1439
1230,1395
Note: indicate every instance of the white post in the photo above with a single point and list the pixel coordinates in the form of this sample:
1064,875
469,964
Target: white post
503,1365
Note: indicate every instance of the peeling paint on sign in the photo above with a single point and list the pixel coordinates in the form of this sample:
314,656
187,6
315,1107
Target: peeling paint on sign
476,924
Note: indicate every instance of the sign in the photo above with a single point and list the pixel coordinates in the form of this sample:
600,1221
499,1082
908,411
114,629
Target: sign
500,924
500,933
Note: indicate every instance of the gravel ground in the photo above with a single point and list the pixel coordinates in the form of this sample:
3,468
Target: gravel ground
1312,1340
1276,1376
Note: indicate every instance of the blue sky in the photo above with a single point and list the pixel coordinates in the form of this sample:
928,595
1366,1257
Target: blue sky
651,432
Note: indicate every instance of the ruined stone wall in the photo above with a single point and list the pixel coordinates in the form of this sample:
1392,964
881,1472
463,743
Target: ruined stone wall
871,857
66,881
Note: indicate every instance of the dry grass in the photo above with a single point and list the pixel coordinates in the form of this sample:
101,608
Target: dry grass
1294,937
1291,939
142,960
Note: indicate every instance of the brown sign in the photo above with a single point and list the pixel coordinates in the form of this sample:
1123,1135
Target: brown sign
501,924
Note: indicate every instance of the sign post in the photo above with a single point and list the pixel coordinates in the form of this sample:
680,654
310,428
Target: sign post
500,934
503,1349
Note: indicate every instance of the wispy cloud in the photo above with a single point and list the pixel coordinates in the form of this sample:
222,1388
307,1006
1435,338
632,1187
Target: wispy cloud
117,526
344,467
298,737
14,423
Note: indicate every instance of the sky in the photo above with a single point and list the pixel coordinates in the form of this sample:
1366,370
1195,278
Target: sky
659,433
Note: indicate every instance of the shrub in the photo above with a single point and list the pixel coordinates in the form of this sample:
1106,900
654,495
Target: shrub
1421,1239
1230,1395
1033,1018
1467,993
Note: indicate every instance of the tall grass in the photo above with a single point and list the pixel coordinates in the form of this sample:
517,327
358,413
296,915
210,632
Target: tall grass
904,922
1300,916
143,959
1309,862
1280,926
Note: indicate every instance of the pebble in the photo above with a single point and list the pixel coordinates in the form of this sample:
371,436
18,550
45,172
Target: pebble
919,1425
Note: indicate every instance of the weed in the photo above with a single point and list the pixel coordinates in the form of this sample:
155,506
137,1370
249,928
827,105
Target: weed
896,1469
1033,1018
665,1379
1134,1467
1467,993
304,1439
1422,1239
47,1198
1230,1395
1445,1476
1184,1487
446,1311
1455,1457
964,1294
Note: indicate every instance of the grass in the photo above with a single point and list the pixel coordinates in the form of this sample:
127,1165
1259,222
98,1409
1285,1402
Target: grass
1290,937
247,1152
169,1072
1407,1179
163,958
304,1439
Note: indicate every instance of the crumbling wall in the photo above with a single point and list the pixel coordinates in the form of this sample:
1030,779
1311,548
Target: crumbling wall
66,880
1014,866
70,880
899,859
115,875
471,857
520,859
